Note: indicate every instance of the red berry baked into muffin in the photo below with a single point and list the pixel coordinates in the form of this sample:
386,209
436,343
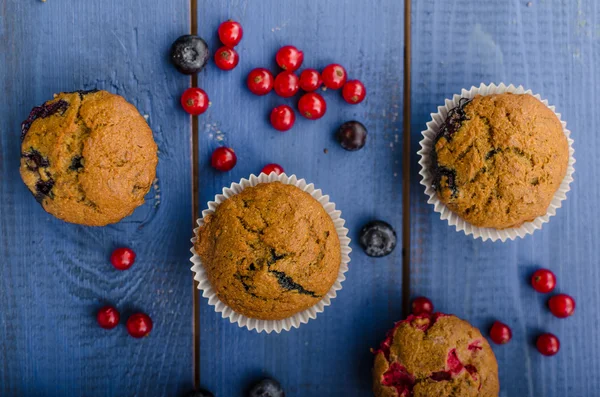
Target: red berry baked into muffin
435,355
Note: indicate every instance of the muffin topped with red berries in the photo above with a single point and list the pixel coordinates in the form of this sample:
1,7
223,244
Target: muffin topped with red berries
435,355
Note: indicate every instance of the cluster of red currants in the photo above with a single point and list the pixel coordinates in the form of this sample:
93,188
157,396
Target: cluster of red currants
138,325
560,305
287,84
195,100
543,281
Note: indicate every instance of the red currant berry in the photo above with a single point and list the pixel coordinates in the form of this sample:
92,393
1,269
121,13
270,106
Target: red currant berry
226,58
230,33
500,333
139,325
286,84
260,81
223,159
310,80
122,258
108,317
289,58
283,118
312,106
194,101
269,168
334,76
561,305
543,280
547,344
354,92
422,305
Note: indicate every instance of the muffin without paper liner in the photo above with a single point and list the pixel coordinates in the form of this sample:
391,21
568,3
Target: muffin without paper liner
435,355
88,157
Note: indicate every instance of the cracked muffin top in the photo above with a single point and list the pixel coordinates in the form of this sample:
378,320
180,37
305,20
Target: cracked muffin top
270,251
88,157
435,355
499,159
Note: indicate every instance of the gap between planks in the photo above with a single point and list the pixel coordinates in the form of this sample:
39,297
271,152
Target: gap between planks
406,158
195,214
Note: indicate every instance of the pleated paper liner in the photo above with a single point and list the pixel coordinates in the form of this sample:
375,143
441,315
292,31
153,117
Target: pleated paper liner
427,145
303,317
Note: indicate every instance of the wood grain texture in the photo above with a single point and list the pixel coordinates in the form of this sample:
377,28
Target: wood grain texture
553,48
53,275
328,356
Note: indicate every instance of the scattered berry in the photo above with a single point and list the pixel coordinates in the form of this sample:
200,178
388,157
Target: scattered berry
200,393
226,58
269,168
422,305
334,76
223,159
352,135
108,317
310,80
194,101
378,238
122,258
543,280
189,54
139,325
547,344
286,84
260,81
500,333
266,388
283,118
561,305
354,92
312,106
289,58
230,33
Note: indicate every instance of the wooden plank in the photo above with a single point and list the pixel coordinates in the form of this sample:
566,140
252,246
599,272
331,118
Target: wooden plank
330,355
553,48
53,275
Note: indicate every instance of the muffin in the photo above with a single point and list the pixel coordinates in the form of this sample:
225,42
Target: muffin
499,159
435,355
270,251
88,157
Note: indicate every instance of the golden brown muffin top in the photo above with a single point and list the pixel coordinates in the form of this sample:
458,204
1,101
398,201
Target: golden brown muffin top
499,160
270,251
88,157
435,355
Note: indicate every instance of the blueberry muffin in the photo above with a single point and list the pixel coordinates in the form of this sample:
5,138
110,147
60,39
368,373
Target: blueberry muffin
499,160
435,355
270,251
88,157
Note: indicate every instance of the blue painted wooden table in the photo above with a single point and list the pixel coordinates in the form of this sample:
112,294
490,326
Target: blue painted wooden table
53,276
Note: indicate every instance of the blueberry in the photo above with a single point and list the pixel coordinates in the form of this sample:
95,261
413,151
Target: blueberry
378,238
76,164
267,388
34,160
41,112
189,54
352,135
200,393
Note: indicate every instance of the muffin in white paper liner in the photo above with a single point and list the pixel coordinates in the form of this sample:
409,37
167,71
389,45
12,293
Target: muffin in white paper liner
299,318
427,146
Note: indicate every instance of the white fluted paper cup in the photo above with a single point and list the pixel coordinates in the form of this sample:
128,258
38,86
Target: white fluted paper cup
302,317
427,146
